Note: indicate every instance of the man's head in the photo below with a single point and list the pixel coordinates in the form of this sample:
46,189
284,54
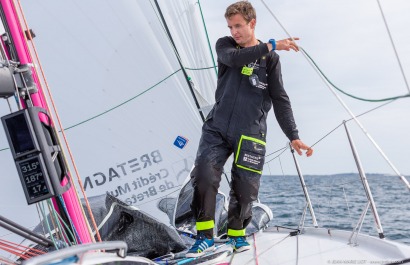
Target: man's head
241,19
243,8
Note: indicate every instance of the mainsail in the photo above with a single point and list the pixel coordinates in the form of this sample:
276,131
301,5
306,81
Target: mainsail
130,119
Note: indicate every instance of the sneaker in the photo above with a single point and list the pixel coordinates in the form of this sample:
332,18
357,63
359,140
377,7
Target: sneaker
201,246
239,243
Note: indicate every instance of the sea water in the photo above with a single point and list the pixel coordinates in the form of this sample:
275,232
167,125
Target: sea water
338,201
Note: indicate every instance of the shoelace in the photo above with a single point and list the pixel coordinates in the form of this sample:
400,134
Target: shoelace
240,240
237,241
199,240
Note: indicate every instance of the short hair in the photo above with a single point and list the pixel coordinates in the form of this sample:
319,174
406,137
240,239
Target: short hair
243,8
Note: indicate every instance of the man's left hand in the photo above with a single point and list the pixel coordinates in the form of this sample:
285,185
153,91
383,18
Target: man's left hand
298,145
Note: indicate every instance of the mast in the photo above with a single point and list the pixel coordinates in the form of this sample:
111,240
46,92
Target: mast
33,97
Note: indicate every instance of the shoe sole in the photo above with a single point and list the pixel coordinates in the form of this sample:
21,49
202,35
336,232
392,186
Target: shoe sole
196,255
242,249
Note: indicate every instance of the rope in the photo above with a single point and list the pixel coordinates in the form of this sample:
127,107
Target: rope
207,38
280,241
53,221
41,206
348,94
6,261
256,251
69,219
21,248
123,103
66,226
60,231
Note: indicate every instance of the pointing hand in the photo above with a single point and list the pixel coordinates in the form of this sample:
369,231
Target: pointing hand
287,44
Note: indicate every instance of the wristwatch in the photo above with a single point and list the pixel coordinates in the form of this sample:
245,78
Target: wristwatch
273,42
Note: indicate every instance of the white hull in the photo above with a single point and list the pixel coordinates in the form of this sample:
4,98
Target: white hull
319,246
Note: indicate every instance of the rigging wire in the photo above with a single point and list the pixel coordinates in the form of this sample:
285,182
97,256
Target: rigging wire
276,151
284,149
328,133
394,46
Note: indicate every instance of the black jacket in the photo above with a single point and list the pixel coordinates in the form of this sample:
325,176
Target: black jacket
241,108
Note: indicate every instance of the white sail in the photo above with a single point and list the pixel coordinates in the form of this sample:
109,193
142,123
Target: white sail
133,125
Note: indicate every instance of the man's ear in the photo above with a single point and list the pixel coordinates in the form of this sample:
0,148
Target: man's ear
252,23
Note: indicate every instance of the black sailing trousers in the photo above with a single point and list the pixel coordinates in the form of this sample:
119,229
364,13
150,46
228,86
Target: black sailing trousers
213,152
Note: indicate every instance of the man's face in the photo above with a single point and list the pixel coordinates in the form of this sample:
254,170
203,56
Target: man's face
241,31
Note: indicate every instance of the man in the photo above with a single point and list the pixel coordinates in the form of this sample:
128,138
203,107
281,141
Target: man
249,83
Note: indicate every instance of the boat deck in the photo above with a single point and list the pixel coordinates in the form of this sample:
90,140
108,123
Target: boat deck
319,246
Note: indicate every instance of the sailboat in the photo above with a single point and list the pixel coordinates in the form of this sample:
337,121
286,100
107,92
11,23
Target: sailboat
131,82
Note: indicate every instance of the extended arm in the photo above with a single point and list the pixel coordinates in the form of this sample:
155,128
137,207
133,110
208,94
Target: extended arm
230,55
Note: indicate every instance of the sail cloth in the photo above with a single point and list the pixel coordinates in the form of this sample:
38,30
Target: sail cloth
179,211
116,220
130,119
144,235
